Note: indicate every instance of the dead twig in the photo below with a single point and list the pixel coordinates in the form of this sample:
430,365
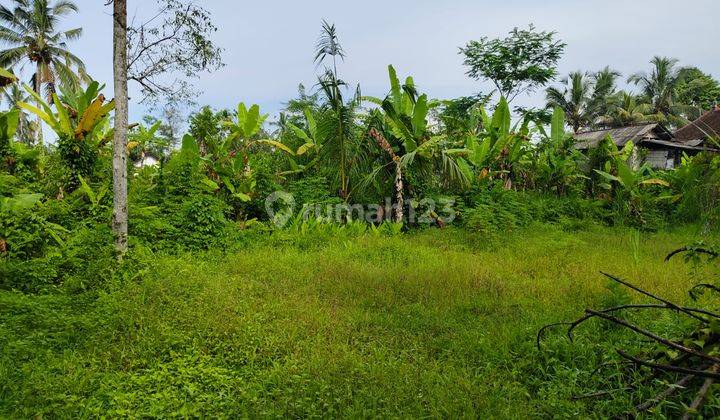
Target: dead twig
650,295
670,368
654,336
668,392
691,249
701,396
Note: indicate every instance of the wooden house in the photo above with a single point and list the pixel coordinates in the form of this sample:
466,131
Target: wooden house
660,148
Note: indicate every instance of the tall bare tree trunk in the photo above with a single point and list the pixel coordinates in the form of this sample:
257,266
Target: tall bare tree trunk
120,202
38,88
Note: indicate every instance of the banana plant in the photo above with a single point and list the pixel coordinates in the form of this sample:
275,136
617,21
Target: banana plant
78,114
80,121
557,161
496,149
312,143
405,111
628,187
247,125
311,147
229,162
403,134
631,180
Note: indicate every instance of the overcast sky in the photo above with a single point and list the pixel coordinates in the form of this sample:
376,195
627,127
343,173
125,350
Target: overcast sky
269,44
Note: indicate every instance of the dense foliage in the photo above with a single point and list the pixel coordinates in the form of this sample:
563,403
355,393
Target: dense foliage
335,169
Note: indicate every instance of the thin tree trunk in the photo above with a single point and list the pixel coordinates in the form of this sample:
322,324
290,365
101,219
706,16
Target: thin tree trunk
38,88
399,200
120,204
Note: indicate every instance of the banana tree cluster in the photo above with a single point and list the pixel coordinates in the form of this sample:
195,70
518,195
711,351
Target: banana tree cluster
405,138
80,120
496,149
228,162
627,187
557,163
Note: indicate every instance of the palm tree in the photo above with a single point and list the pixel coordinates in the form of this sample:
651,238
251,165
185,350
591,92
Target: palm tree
605,88
337,128
337,117
659,88
29,29
12,96
329,45
626,109
574,99
584,97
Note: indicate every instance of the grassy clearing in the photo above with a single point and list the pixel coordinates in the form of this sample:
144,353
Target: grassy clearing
435,323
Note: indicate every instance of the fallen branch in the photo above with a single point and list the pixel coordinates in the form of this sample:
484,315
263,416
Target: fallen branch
650,295
699,399
698,349
652,402
654,336
691,249
669,368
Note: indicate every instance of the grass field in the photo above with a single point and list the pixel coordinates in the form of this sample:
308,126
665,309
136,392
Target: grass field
435,323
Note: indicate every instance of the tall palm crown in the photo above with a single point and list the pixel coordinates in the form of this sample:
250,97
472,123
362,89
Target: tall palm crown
574,99
659,87
584,96
329,45
625,109
29,30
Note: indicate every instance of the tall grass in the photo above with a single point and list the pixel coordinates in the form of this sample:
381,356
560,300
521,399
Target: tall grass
435,323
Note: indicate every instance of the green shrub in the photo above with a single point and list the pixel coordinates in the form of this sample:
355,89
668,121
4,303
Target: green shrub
312,190
497,211
25,234
201,222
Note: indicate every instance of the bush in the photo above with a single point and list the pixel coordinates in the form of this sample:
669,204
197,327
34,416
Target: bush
25,234
496,211
84,259
312,190
201,222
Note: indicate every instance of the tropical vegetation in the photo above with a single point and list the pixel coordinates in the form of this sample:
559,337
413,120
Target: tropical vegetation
355,255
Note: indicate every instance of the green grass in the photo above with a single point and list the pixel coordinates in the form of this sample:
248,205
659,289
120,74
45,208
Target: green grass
435,323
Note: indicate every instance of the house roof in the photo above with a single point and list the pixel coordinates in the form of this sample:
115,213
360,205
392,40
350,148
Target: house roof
708,125
685,145
622,135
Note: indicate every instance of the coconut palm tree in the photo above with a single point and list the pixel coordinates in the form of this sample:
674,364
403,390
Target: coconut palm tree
29,30
659,87
584,97
605,88
575,99
627,109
